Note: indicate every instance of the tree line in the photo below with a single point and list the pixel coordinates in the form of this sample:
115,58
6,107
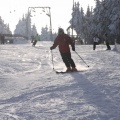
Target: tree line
104,18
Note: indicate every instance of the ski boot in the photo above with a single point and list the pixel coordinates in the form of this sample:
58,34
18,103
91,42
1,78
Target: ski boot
68,69
74,69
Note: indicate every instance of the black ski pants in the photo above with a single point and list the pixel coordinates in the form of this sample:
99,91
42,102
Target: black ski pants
108,46
94,45
34,42
66,57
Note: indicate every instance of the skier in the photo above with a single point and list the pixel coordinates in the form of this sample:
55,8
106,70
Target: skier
95,41
107,41
63,41
36,39
2,39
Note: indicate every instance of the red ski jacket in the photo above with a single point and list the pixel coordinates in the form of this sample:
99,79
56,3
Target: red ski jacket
63,41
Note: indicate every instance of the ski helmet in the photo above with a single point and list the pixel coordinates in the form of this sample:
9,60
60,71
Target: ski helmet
60,30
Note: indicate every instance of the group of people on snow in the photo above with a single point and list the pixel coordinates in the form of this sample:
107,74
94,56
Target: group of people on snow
63,41
96,41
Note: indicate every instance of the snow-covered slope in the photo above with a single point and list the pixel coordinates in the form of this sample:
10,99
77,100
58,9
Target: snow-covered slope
31,90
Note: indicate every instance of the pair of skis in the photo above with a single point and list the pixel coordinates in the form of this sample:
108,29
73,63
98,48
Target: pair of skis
63,72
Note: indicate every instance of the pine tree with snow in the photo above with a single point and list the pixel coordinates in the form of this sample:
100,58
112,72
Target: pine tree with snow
24,26
45,34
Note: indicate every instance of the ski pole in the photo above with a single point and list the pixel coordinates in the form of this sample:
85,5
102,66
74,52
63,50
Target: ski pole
52,60
81,58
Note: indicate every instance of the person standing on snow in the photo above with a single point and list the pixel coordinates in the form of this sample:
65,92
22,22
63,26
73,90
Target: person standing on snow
95,41
2,39
107,41
63,41
36,39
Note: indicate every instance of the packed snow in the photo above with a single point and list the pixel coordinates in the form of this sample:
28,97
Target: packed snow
31,90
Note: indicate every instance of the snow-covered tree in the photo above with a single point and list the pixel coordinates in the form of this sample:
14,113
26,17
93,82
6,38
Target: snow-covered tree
4,28
114,17
88,26
33,30
105,18
45,34
82,23
7,29
77,20
24,26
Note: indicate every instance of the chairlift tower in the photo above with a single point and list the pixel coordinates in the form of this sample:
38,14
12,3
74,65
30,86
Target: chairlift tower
48,14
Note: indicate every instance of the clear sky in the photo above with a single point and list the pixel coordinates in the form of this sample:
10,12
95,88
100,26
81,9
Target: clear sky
12,10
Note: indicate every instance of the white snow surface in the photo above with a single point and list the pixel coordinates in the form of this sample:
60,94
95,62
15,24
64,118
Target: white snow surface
31,90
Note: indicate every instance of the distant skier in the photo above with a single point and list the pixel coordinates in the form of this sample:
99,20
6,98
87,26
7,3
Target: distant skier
107,41
2,39
36,39
63,41
95,41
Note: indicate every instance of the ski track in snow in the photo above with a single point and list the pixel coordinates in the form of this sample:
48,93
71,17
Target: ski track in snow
31,90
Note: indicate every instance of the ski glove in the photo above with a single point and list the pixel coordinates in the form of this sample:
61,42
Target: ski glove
51,48
73,48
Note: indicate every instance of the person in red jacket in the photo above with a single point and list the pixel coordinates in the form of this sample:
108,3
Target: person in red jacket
63,41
